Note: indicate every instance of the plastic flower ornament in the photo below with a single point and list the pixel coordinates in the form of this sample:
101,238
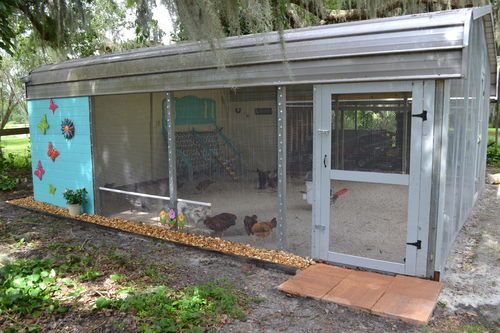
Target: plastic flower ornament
163,216
180,219
172,219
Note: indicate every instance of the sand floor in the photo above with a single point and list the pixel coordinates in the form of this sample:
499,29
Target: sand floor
369,220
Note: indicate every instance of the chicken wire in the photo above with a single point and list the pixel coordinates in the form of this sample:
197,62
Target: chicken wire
299,154
370,133
226,146
466,145
130,154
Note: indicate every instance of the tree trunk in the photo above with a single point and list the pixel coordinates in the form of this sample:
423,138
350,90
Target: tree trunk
497,123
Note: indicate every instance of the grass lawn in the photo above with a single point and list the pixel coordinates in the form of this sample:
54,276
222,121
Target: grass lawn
15,144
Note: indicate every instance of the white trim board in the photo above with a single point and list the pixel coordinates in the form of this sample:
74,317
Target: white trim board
370,177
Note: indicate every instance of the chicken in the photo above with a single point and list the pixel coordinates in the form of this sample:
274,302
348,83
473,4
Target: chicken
263,229
337,194
249,222
220,222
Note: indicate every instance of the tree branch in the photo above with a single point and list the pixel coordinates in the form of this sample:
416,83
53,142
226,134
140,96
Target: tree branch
41,22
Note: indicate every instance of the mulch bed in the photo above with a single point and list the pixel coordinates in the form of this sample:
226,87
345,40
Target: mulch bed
200,241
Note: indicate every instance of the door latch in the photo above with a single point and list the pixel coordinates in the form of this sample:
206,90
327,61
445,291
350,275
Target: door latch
418,244
324,131
422,115
319,227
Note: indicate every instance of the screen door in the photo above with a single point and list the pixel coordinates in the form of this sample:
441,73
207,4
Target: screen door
368,156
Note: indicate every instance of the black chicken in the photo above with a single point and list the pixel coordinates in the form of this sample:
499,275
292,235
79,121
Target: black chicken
249,222
220,222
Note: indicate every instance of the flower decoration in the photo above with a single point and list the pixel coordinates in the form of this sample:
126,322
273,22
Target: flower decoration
52,152
68,128
181,218
39,172
171,214
163,216
52,106
43,125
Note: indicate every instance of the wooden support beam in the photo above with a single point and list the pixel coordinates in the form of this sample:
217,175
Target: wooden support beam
14,131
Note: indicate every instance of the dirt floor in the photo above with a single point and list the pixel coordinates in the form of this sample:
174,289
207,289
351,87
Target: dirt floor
369,220
469,302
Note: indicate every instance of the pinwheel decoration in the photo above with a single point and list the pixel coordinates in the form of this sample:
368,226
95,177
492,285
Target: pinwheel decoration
43,125
39,170
52,152
68,129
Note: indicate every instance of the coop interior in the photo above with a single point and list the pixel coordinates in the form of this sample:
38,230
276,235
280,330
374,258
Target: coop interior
226,166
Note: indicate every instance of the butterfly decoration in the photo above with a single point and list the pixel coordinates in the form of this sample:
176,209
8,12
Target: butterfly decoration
68,128
43,125
52,152
52,106
39,170
52,189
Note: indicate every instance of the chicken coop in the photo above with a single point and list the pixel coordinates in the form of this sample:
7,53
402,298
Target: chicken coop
361,144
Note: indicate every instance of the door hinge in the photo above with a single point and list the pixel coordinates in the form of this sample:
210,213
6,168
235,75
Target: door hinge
319,227
422,115
418,244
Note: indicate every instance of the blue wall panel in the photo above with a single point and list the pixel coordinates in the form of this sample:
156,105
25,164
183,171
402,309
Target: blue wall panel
73,167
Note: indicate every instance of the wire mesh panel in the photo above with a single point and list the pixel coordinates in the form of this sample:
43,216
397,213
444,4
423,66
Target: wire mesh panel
467,140
371,132
226,146
370,136
300,192
130,155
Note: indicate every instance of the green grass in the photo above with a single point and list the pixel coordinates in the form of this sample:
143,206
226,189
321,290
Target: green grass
15,144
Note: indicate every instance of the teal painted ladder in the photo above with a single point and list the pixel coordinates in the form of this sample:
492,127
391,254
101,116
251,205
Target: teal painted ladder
212,145
222,150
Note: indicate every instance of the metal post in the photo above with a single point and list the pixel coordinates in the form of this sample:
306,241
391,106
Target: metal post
281,228
172,174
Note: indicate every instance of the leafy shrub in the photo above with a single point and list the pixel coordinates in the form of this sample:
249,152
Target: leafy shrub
192,309
27,287
89,275
493,156
7,183
15,161
11,163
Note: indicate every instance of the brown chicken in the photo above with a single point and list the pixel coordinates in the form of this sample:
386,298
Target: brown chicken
263,229
220,222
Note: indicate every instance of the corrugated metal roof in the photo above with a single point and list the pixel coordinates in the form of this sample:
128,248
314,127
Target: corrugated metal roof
408,47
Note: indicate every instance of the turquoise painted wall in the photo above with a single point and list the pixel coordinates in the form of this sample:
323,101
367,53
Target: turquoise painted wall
73,167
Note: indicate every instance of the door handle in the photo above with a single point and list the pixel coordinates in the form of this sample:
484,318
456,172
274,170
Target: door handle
324,160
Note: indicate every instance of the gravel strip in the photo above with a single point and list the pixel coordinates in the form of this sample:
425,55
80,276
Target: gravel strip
204,242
